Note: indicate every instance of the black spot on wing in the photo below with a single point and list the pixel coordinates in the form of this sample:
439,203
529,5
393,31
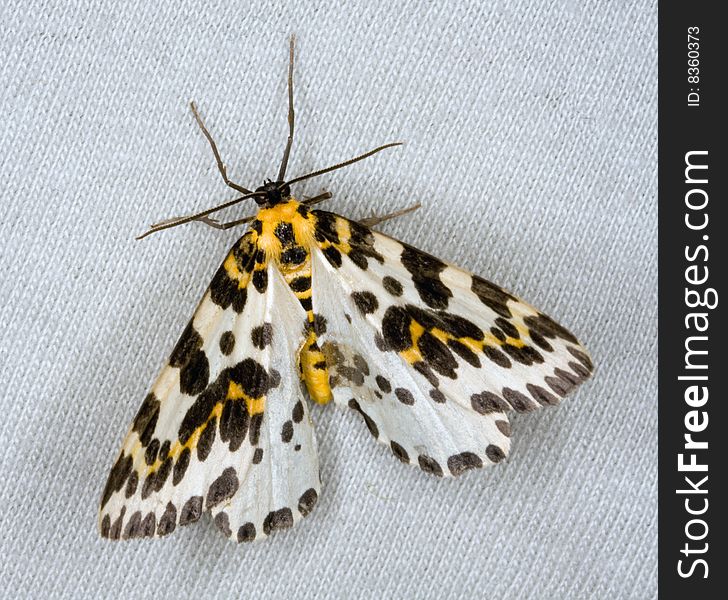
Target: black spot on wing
133,526
307,501
191,511
287,432
404,396
131,484
498,334
495,453
526,355
278,519
333,256
492,296
297,414
189,343
149,524
195,375
326,227
459,463
180,466
362,245
396,328
393,286
225,291
497,356
252,377
520,402
464,352
223,487
223,523
168,520
246,533
155,480
198,414
424,369
425,270
206,440
383,384
227,343
541,395
117,478
105,526
508,328
115,530
399,452
579,369
563,383
366,302
504,427
582,357
437,396
457,326
437,355
150,454
255,423
429,465
262,335
260,280
145,421
549,328
164,450
234,422
488,402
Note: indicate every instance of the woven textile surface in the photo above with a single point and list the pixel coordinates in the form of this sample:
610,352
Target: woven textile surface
530,132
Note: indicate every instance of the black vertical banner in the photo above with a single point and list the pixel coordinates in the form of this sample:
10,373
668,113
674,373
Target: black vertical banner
693,260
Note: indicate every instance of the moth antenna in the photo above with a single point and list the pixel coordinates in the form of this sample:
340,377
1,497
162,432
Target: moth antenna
169,223
291,113
218,159
341,165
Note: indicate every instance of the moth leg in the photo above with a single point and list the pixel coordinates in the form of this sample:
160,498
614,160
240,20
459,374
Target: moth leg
371,221
316,199
227,225
218,160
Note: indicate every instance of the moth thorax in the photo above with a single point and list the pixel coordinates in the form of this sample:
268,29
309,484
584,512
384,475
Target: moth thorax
275,193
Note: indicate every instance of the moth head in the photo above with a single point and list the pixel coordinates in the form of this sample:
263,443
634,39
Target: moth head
272,193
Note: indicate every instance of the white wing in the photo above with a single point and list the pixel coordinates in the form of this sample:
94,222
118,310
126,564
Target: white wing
225,427
430,355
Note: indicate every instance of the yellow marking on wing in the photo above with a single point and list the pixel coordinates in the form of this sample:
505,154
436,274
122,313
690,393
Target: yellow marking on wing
441,335
254,405
231,267
344,232
413,355
177,447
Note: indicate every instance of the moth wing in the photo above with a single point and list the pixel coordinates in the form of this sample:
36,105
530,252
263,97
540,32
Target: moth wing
432,356
208,435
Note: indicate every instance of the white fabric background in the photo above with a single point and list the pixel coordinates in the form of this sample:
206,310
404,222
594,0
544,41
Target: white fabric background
531,140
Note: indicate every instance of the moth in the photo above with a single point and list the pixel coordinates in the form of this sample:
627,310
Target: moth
311,305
